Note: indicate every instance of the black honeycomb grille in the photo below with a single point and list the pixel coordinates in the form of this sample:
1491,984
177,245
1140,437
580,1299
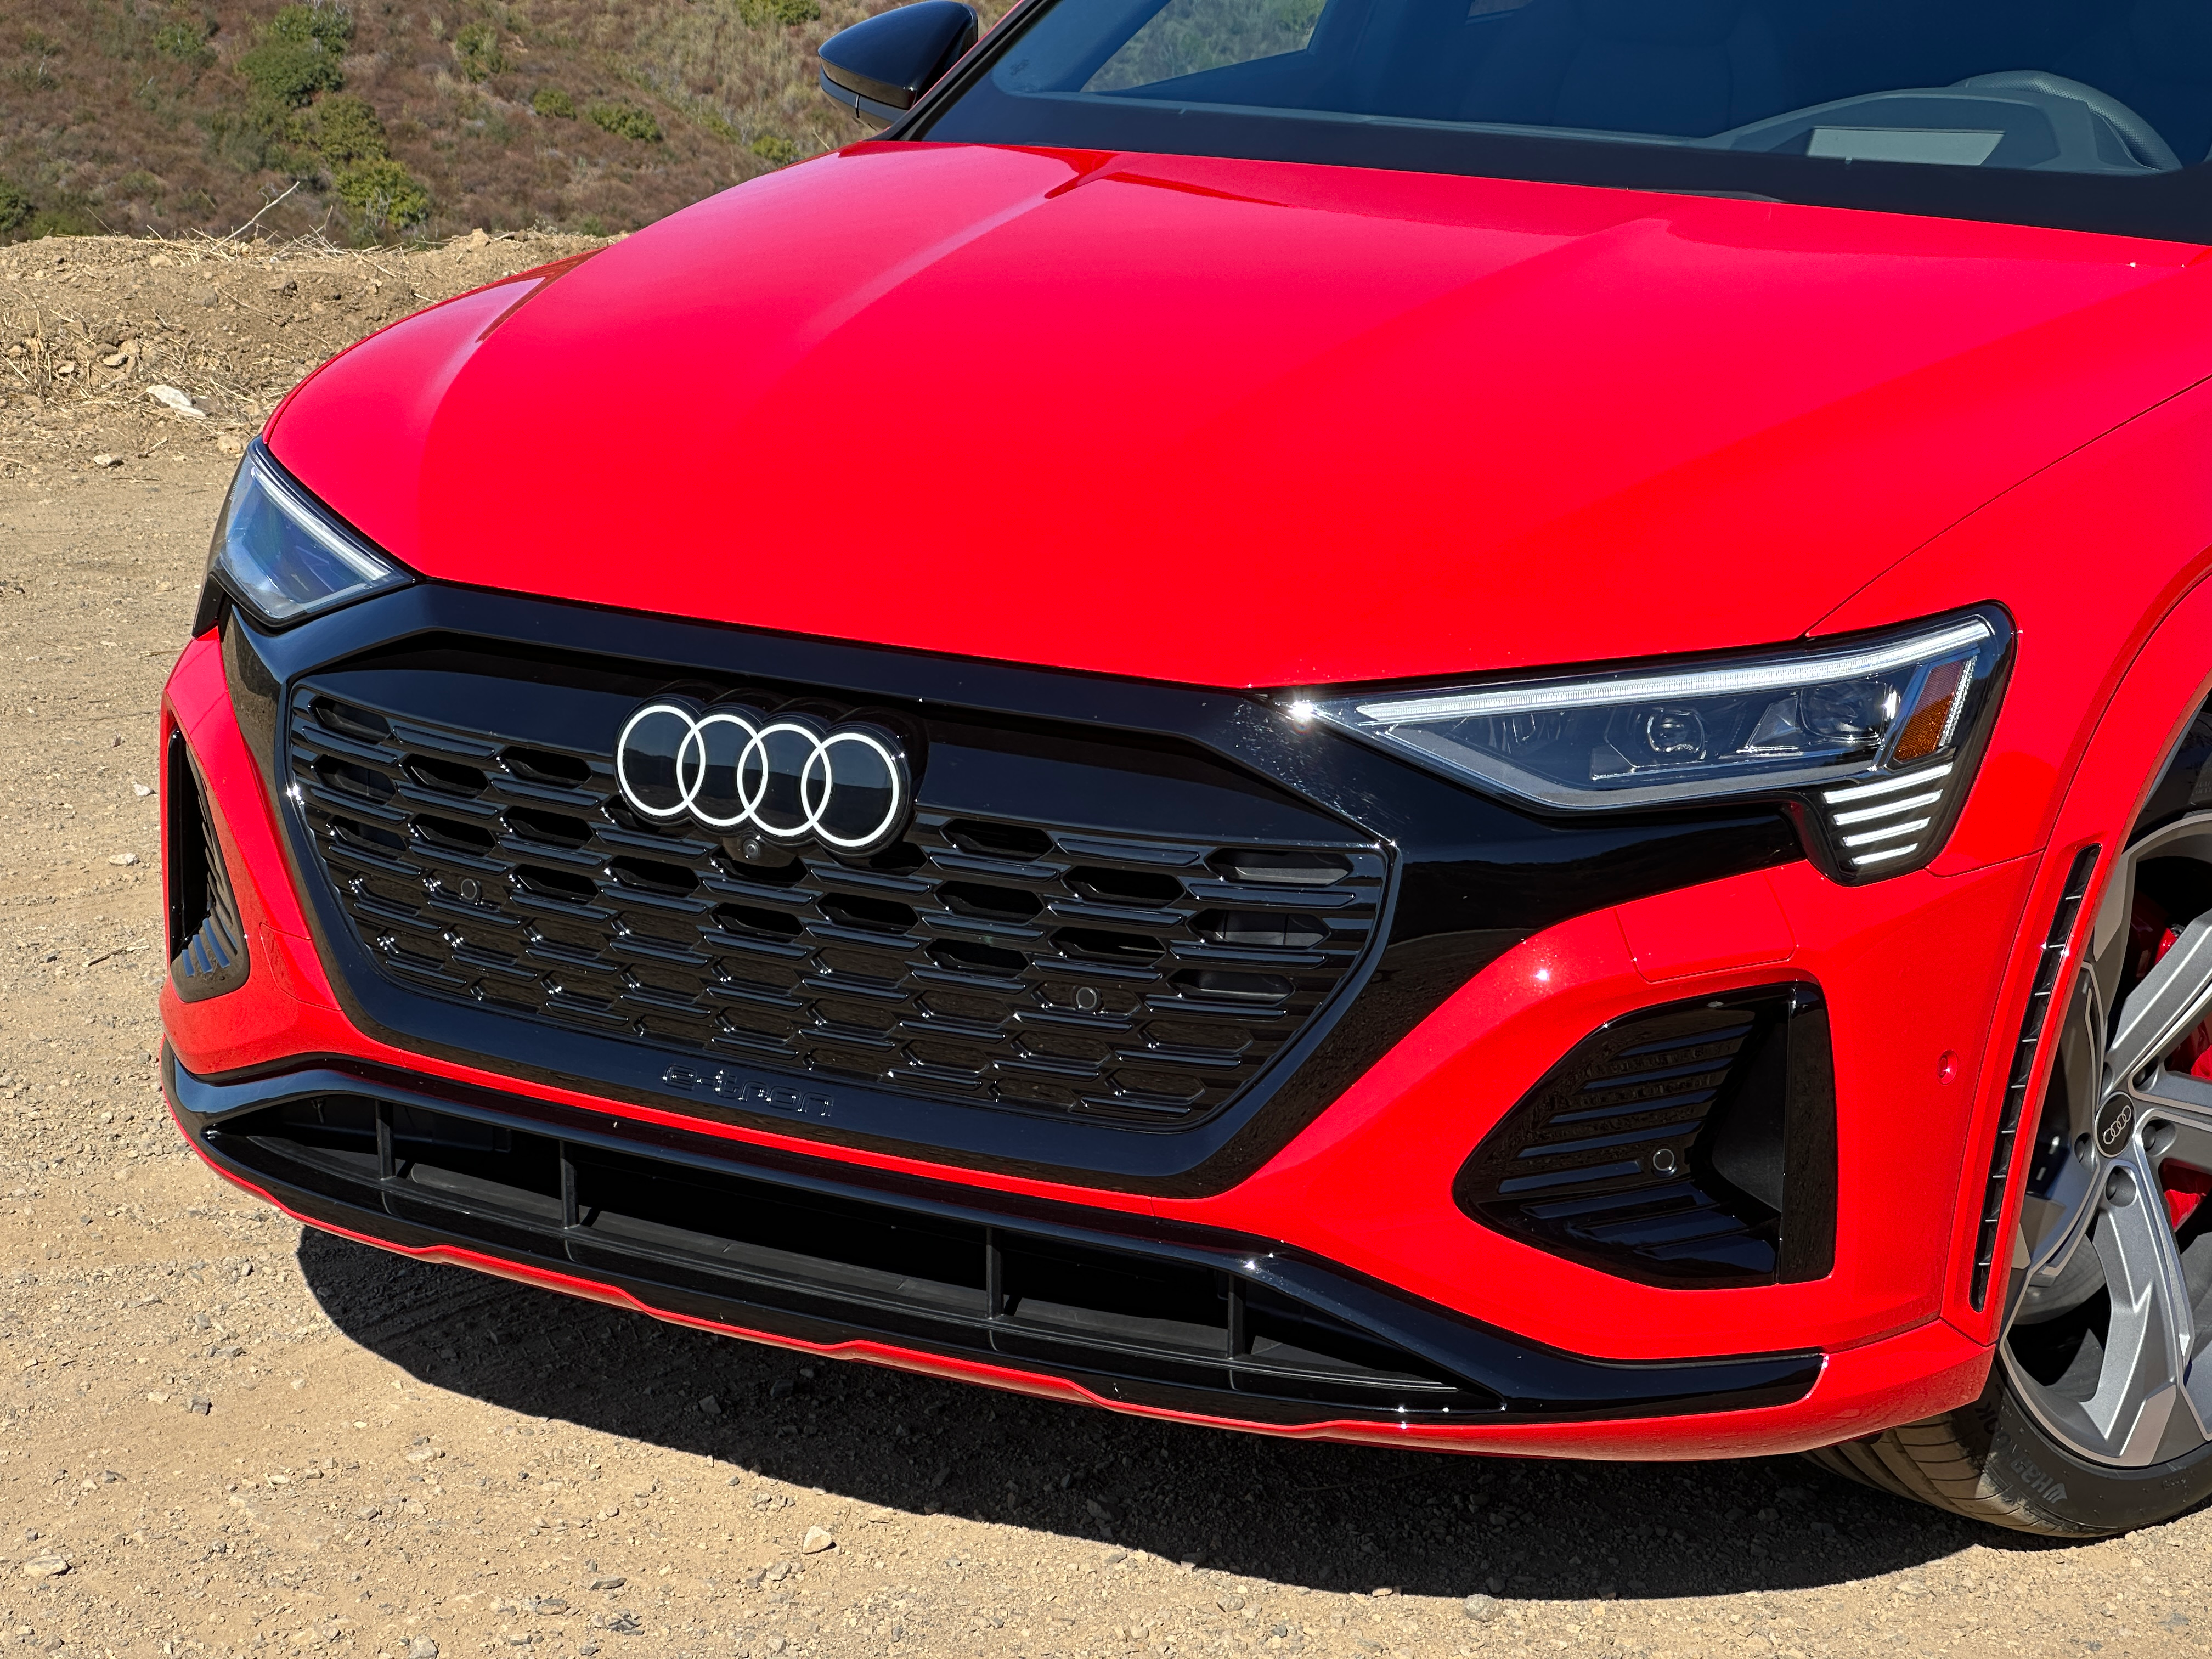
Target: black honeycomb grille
1140,979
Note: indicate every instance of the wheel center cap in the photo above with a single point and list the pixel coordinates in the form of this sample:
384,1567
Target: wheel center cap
2113,1123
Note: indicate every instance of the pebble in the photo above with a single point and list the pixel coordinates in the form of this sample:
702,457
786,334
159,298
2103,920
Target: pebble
1483,1608
815,1541
422,1648
710,1406
105,460
122,858
201,1404
1230,1603
45,1566
607,1581
423,1455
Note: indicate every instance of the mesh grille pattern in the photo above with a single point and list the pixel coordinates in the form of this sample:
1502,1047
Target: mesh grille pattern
1140,979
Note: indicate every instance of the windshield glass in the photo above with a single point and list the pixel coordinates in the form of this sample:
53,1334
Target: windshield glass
2093,113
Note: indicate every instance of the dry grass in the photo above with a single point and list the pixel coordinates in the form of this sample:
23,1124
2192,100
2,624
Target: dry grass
132,115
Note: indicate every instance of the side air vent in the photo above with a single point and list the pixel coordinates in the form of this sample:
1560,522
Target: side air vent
1692,1145
2023,1065
207,945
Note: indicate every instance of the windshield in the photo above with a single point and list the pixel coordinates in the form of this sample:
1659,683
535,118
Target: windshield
2091,113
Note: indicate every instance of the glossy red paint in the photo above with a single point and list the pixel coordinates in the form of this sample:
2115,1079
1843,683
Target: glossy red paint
1235,423
1276,394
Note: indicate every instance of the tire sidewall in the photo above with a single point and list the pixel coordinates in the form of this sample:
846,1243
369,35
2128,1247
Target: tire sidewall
2026,1462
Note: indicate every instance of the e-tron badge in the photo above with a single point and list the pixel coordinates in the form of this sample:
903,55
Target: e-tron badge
732,769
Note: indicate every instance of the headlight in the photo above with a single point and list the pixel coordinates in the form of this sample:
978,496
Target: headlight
1872,742
282,555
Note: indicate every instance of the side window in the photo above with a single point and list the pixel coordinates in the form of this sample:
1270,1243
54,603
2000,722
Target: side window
1185,37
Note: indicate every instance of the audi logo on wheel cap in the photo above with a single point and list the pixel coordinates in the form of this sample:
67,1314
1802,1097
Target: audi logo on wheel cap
730,767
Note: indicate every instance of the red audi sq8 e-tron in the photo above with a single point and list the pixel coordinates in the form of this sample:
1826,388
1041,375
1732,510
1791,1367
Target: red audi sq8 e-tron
1458,725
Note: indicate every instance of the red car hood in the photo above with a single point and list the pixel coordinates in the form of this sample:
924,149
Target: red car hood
1239,422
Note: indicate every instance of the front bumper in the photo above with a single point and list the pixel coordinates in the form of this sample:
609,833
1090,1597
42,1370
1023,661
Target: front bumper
1342,1206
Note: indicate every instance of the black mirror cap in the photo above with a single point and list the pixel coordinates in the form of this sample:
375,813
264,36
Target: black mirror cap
879,69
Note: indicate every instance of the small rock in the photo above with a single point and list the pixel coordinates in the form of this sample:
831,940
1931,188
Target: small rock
157,1398
549,1604
607,1581
1229,1603
1493,1584
781,1388
815,1541
368,1512
1098,1511
169,397
422,1648
201,1404
774,1645
122,858
423,1455
141,790
478,239
105,460
230,444
1482,1608
622,1624
710,1406
45,1566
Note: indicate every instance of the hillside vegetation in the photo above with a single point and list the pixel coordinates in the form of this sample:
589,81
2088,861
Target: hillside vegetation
379,120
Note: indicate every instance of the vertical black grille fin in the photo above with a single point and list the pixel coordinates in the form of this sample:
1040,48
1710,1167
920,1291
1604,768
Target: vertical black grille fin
2031,1023
207,945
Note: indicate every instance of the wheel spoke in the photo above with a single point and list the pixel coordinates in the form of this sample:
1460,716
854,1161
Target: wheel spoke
2100,1332
2173,997
2148,1338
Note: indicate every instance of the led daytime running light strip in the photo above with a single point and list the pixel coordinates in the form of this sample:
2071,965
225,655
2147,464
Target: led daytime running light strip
1659,688
1891,799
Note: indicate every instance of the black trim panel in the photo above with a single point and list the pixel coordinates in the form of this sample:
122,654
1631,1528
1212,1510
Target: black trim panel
1474,875
1486,1375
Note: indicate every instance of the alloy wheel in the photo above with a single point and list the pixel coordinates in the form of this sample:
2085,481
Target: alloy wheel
2109,1315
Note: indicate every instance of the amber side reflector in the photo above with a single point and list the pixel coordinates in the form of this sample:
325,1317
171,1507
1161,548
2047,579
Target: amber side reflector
1928,727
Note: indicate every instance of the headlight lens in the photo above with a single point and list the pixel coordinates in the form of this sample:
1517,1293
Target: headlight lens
283,556
1876,738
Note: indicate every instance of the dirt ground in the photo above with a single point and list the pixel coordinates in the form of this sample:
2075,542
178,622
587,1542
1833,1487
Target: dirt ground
223,1436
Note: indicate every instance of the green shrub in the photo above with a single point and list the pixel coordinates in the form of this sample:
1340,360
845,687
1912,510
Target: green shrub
475,48
382,196
330,27
776,150
759,13
298,55
625,120
342,129
15,208
187,42
287,73
551,101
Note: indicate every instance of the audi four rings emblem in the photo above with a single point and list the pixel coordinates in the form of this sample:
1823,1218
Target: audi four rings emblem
791,778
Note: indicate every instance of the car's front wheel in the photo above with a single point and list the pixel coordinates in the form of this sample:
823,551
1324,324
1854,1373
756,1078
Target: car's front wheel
2098,1414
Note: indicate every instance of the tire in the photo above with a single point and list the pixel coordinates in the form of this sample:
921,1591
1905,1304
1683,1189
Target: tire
1990,1462
2097,1417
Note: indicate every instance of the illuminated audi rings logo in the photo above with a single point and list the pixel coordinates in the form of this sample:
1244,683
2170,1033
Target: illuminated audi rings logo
732,768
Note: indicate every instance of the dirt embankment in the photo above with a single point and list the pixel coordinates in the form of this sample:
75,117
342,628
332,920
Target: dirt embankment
220,1436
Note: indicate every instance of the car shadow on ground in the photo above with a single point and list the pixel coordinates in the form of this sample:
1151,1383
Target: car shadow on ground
1330,1517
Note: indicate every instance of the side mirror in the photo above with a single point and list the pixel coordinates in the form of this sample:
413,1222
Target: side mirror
879,69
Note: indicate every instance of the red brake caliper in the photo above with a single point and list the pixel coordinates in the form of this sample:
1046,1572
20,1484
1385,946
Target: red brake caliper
2150,936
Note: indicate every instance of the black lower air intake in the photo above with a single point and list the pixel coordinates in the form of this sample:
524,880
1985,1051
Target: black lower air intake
1691,1145
207,945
